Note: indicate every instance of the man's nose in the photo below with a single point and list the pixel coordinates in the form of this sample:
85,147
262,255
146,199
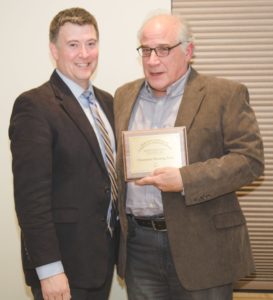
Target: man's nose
153,58
83,51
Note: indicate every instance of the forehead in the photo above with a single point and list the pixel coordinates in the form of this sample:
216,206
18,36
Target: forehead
74,31
160,30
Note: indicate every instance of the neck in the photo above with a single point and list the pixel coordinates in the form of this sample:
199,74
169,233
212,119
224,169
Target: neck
158,93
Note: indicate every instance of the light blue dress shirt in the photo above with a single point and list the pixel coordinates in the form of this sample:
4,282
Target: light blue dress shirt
55,268
152,112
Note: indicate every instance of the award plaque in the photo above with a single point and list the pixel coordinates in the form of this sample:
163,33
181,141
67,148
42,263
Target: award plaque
146,150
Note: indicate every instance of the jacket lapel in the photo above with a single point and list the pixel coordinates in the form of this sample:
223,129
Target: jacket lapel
193,96
123,115
73,109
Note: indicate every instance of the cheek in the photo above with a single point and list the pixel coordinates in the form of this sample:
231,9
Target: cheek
177,67
94,54
145,67
65,57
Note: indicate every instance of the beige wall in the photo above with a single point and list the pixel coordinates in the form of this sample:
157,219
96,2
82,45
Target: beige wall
26,63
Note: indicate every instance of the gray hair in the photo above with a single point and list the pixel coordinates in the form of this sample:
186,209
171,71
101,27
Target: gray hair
184,33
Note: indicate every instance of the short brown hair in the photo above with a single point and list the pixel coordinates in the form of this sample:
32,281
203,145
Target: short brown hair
75,15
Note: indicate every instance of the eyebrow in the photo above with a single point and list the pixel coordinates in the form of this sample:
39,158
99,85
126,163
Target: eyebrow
159,45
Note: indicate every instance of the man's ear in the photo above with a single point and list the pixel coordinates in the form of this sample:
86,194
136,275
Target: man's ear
189,51
54,50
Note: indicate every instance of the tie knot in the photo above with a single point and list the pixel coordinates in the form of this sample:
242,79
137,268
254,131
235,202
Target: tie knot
88,95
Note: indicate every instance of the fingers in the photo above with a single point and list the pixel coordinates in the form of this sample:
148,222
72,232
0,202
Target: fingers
165,179
161,171
56,288
152,179
148,180
59,295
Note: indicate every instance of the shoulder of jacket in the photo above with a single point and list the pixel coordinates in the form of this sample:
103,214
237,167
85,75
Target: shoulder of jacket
102,93
130,85
33,94
220,81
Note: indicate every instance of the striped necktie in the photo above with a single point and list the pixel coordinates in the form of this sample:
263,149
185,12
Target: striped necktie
109,161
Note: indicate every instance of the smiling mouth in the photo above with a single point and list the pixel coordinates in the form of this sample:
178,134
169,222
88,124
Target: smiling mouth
83,65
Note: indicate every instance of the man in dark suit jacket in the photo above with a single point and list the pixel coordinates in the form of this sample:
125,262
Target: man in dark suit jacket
183,233
61,184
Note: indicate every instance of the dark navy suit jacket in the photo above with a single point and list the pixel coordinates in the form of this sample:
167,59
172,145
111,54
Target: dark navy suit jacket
61,185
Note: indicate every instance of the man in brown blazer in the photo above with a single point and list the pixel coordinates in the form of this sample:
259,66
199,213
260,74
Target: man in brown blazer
184,235
62,187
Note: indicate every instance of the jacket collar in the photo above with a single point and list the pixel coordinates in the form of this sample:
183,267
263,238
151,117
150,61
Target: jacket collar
193,96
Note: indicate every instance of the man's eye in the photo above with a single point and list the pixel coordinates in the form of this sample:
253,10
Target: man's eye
146,50
73,45
92,44
161,49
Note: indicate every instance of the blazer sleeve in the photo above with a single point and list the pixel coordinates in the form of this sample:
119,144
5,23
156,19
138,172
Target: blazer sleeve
241,152
31,146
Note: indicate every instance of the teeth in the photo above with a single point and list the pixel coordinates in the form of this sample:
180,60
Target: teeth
83,65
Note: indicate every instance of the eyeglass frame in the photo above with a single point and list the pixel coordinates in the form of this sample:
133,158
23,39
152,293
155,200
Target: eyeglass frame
156,49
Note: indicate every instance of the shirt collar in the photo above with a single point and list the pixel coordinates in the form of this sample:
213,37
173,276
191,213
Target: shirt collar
76,89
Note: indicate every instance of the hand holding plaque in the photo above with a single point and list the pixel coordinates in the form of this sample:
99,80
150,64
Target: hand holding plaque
146,150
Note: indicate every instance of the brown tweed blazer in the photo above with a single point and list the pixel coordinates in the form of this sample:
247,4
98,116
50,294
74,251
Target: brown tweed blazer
206,228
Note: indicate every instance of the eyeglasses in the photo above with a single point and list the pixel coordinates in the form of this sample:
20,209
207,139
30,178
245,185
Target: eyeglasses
159,51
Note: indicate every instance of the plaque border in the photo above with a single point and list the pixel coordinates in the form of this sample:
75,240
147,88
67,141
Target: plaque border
129,176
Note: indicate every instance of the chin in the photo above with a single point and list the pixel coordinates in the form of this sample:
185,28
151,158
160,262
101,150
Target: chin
158,87
85,76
